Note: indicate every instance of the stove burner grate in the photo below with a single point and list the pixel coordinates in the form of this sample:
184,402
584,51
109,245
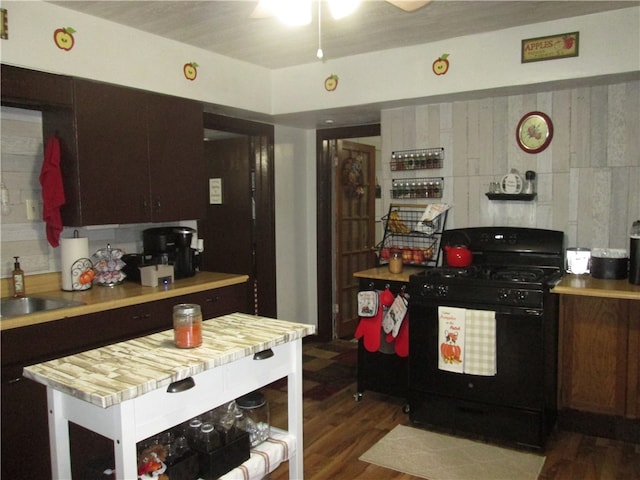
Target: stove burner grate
452,272
519,275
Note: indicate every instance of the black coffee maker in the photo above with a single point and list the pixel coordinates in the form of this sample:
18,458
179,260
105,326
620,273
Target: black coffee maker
172,246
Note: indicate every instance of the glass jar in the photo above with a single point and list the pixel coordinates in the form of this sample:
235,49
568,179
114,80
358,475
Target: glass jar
193,430
207,439
255,416
187,325
395,261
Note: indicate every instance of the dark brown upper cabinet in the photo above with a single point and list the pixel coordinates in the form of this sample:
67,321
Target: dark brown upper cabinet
29,88
129,156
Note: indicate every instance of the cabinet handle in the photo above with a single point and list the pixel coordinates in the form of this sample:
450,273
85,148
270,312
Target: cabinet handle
181,385
263,355
212,299
158,205
14,380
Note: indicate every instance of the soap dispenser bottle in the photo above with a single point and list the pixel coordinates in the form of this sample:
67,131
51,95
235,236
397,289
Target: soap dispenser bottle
18,279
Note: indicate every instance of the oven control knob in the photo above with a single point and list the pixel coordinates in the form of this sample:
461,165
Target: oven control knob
521,295
426,289
442,290
503,294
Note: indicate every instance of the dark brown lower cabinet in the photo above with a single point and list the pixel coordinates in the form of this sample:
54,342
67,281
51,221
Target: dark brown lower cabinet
25,432
599,372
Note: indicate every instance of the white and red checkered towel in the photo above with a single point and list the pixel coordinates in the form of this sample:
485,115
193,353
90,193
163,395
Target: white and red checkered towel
480,343
265,457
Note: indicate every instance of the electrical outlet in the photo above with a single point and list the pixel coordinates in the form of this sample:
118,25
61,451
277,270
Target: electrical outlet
33,209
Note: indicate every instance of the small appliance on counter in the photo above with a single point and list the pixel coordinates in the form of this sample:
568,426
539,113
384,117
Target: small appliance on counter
171,246
154,275
133,263
577,260
609,263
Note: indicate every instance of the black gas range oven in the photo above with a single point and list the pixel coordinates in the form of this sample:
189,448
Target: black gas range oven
512,272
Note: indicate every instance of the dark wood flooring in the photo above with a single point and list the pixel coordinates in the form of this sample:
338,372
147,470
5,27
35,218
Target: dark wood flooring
337,430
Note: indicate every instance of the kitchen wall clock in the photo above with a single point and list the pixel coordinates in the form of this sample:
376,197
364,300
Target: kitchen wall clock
534,132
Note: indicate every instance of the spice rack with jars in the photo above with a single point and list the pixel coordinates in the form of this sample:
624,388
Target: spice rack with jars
417,241
412,188
418,159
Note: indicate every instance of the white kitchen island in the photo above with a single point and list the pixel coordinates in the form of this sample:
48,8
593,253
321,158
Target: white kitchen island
124,391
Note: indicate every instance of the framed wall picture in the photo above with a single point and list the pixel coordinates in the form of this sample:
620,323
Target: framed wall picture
534,132
549,48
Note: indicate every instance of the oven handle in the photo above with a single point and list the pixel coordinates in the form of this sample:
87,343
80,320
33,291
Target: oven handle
418,303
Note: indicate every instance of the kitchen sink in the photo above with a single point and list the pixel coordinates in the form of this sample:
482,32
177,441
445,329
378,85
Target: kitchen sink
15,307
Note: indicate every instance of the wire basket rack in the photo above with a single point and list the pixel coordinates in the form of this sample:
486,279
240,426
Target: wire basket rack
417,240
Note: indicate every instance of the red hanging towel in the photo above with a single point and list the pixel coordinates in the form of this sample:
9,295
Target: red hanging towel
52,191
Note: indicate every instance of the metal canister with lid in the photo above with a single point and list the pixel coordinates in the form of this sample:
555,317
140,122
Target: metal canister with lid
255,416
187,325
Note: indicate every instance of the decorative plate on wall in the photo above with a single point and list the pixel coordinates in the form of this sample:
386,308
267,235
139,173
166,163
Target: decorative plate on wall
534,132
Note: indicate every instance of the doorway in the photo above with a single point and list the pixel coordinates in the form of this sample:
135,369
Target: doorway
240,156
354,220
326,148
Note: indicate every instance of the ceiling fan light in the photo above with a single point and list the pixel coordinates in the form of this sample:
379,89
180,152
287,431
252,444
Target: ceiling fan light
290,12
342,8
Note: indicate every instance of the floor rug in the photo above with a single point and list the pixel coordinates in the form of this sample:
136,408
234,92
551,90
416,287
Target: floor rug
437,456
327,368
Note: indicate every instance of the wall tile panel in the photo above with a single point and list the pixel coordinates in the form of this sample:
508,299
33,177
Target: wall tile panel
598,133
631,124
502,137
584,186
460,136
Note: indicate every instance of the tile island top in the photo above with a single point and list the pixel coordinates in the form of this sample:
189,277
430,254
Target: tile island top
112,374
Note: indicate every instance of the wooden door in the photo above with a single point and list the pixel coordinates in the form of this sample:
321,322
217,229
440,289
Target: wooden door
249,168
354,188
227,229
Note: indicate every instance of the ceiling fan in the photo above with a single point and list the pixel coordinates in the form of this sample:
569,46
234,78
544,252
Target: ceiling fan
298,12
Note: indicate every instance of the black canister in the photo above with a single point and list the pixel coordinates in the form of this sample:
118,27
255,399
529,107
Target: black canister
634,254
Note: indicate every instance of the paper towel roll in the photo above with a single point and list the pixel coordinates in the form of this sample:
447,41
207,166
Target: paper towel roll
71,249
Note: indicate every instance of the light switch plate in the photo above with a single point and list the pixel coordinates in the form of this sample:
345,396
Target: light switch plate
33,209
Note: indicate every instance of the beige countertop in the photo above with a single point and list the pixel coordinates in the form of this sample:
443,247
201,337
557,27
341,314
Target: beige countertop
383,273
586,285
112,374
99,298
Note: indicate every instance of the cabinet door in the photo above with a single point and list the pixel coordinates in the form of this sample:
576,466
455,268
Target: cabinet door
221,301
594,359
25,432
112,154
176,159
633,377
